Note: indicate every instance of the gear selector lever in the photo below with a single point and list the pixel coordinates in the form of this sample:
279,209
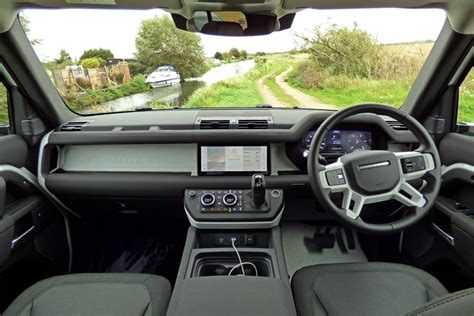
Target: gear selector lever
258,189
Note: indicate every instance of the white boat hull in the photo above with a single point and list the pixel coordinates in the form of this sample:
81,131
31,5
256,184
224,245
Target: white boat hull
164,83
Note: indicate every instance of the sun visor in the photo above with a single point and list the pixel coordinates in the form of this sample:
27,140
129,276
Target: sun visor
461,16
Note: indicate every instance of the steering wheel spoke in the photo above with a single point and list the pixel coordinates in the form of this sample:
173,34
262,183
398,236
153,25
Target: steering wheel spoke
409,196
353,203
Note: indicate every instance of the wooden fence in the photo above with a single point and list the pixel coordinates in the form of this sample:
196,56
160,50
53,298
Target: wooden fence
68,83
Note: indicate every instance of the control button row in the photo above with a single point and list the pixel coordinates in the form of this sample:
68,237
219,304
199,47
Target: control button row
335,177
413,164
218,209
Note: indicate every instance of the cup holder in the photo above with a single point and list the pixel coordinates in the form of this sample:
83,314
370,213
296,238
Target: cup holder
220,264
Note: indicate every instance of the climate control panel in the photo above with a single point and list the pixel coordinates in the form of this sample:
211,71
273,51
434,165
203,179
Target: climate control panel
220,200
231,200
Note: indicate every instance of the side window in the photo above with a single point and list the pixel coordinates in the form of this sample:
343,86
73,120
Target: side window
4,119
466,99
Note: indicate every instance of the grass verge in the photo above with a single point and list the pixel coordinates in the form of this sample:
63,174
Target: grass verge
360,91
281,64
237,92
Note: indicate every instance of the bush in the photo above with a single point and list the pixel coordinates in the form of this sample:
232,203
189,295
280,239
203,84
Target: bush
94,62
84,83
307,76
118,77
136,69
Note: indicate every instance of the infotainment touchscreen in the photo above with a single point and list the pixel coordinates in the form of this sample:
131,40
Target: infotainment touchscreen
234,159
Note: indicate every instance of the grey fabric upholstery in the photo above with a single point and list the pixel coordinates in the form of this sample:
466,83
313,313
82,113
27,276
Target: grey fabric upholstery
459,303
363,289
95,294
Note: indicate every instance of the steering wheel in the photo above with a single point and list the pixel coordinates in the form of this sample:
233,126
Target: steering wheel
366,177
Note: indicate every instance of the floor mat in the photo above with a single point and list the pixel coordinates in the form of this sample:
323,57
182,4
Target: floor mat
300,250
143,248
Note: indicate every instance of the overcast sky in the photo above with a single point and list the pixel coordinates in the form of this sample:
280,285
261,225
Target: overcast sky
76,30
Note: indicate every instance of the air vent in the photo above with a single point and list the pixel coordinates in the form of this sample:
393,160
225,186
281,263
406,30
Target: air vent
214,124
253,124
396,125
73,126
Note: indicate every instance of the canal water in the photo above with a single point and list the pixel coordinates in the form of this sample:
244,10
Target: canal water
175,95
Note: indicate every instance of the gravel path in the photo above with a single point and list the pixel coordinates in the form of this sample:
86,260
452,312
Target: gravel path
304,100
267,95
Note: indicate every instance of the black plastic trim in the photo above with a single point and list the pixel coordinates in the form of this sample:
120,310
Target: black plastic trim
107,184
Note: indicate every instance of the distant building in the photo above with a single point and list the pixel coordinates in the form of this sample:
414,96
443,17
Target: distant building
115,61
77,71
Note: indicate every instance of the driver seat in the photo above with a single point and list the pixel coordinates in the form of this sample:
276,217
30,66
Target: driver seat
363,289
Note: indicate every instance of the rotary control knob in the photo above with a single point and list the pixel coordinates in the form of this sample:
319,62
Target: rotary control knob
230,199
208,199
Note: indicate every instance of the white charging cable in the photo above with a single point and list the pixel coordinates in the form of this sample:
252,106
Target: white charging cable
241,264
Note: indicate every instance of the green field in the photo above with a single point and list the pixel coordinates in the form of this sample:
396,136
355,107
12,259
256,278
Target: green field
3,105
466,108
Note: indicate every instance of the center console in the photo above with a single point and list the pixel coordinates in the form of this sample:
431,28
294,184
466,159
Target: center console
211,282
233,261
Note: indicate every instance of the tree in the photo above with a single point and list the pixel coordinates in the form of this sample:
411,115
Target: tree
343,50
160,43
64,57
101,53
94,62
25,24
243,54
218,55
234,52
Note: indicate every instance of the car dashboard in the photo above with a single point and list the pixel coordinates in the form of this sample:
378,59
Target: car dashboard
121,162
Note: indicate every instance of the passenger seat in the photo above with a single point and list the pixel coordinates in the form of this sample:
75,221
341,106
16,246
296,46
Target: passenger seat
95,294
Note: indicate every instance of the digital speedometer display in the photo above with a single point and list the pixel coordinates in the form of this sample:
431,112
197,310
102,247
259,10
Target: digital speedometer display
340,142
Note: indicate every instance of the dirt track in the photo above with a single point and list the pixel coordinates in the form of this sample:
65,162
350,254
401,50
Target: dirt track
304,100
267,94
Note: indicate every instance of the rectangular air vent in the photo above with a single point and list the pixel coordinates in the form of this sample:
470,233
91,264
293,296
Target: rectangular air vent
396,125
73,126
253,124
214,124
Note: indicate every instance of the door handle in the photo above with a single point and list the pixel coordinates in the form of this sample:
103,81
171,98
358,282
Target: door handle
3,194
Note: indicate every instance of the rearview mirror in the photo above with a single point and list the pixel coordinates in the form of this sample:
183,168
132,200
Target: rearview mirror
232,23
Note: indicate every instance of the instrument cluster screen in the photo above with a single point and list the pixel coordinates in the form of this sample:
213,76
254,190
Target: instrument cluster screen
234,159
339,142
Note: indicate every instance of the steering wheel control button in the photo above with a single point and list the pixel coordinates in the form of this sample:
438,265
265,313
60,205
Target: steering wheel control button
208,199
192,194
335,177
275,194
230,199
413,164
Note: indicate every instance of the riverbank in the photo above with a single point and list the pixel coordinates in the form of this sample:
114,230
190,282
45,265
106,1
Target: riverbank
84,102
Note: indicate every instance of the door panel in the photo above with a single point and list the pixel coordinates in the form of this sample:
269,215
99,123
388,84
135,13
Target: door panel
457,148
13,151
455,220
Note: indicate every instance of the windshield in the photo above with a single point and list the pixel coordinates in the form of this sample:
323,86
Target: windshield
104,61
